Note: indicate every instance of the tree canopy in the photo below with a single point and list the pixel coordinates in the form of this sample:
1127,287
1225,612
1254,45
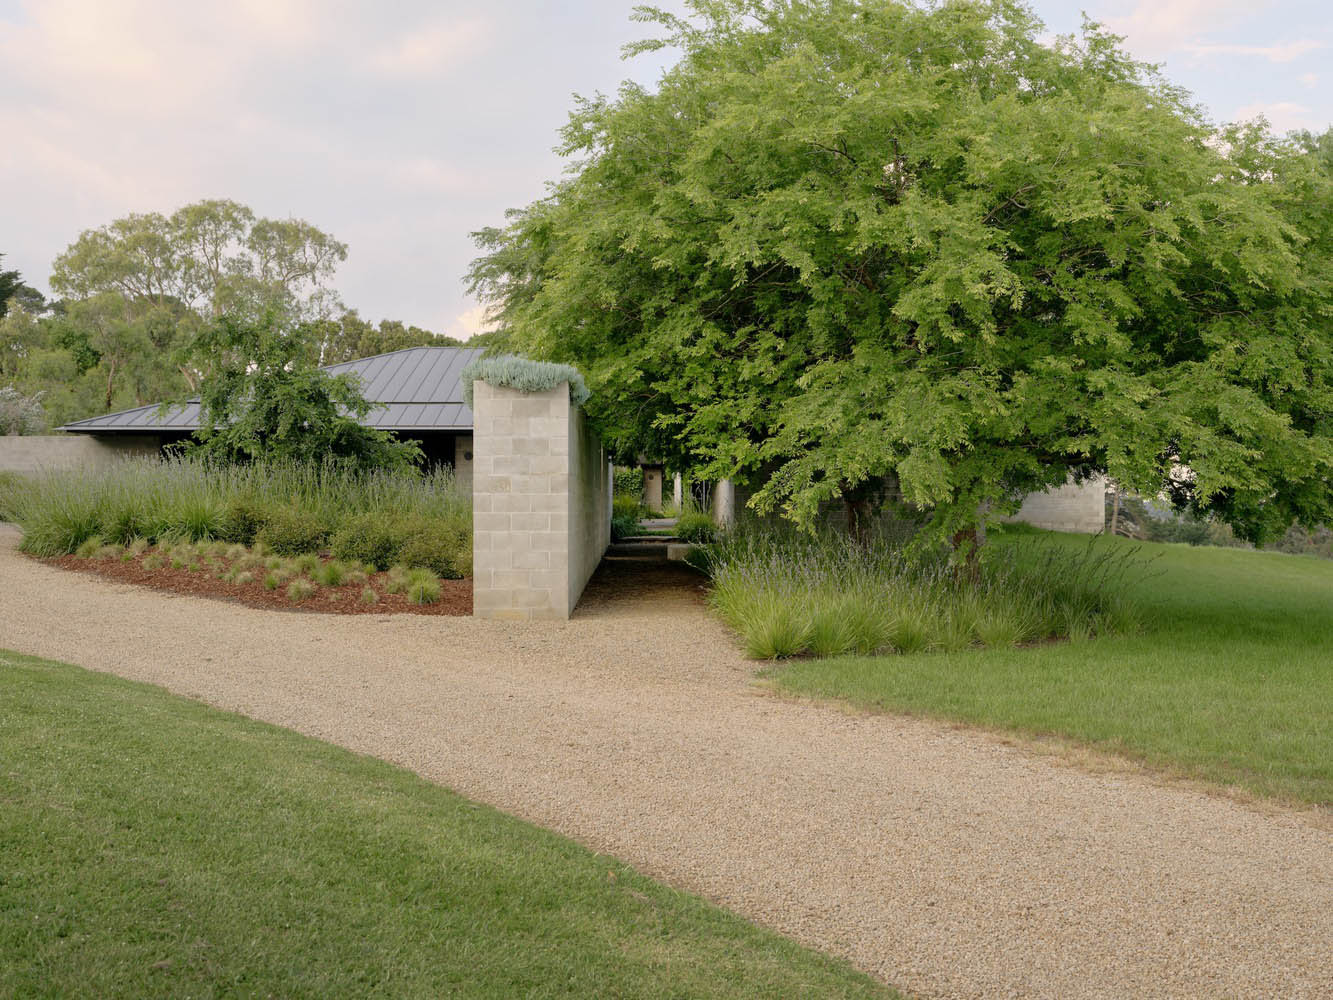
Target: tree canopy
850,241
214,257
264,397
139,290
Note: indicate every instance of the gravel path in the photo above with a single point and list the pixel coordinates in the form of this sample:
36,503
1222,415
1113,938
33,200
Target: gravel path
938,859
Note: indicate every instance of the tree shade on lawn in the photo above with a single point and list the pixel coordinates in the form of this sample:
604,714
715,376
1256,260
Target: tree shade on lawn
1230,684
154,847
851,242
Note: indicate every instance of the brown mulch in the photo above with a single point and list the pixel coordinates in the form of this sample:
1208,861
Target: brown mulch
455,595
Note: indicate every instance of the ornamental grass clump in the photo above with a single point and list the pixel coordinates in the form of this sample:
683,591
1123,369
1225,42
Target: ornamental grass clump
285,508
422,587
299,590
792,594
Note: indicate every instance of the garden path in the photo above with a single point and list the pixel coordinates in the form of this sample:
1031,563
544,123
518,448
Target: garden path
942,860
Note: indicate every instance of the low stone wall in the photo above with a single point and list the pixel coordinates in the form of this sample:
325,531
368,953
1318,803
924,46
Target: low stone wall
1077,508
41,452
541,503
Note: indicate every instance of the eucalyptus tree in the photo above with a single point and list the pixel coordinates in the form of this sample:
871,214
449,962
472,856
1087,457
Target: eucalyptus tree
844,242
211,257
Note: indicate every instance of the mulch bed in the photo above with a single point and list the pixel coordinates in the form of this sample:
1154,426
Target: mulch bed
455,595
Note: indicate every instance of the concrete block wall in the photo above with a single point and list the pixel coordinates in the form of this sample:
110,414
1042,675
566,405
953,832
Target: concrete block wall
541,503
30,454
1077,508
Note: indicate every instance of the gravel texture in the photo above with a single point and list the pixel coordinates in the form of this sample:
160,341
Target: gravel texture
941,860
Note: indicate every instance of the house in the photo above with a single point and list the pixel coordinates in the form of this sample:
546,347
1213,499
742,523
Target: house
417,393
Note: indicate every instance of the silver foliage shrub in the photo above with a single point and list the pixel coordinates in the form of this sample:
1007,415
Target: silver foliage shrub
514,372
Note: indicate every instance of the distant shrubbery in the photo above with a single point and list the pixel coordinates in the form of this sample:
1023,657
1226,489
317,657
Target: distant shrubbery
628,481
791,594
626,512
20,414
381,518
695,526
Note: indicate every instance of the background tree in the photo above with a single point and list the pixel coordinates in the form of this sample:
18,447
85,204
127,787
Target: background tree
138,291
849,241
349,337
10,282
212,257
264,397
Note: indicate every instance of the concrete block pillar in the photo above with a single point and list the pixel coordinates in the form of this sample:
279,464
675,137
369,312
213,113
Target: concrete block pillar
652,486
463,460
541,503
678,491
724,503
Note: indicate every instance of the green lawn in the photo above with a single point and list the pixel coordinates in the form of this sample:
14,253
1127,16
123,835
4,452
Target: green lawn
1232,682
151,846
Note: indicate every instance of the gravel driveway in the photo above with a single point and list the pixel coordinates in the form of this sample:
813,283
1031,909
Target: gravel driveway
938,859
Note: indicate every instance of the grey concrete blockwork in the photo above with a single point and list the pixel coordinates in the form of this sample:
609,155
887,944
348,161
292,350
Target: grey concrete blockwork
541,503
1079,508
42,452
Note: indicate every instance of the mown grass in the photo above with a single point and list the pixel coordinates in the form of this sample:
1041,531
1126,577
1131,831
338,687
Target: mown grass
154,847
1231,681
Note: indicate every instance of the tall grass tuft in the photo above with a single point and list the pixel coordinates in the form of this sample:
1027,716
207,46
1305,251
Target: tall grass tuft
185,499
791,594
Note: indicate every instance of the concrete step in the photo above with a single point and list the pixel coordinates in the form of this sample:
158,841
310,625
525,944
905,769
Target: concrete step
642,550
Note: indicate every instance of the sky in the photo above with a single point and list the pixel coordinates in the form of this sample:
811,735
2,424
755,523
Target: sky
401,126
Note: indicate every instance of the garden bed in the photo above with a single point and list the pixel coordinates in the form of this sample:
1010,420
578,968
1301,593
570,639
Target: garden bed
210,580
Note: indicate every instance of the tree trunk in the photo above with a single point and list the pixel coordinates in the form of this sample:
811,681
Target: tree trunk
860,518
967,543
110,384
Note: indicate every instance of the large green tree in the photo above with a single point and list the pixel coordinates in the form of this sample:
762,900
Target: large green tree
846,242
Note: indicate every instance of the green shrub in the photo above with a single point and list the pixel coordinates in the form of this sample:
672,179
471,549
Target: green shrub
695,527
243,518
628,482
292,532
372,539
368,596
444,549
271,581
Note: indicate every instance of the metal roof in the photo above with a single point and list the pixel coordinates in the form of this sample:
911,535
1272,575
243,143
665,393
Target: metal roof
418,389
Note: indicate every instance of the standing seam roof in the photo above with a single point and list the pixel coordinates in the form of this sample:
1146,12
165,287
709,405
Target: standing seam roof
419,388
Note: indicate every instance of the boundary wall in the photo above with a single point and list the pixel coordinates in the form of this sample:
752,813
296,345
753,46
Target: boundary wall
29,454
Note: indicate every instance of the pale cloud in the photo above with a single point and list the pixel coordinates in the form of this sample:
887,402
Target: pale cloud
1282,116
1310,79
434,48
471,322
1154,28
1284,52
